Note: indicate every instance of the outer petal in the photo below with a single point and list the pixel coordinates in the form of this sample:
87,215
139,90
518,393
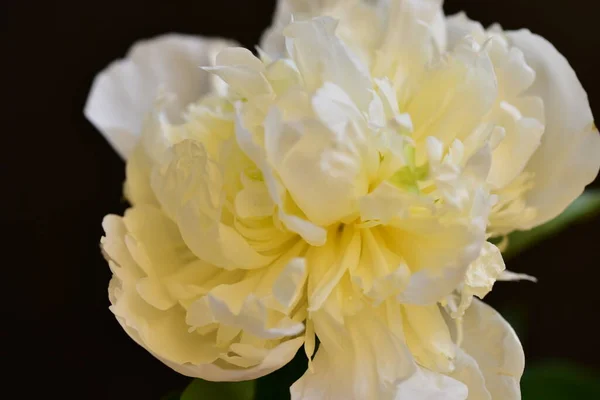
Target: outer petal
439,258
569,156
124,92
249,304
277,358
363,25
428,385
155,277
361,359
467,371
481,276
190,187
494,345
273,41
428,337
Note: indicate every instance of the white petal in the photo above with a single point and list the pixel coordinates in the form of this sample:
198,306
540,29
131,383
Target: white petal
513,276
459,25
361,359
437,254
242,71
152,143
253,201
569,156
454,96
289,284
273,41
189,186
287,211
428,385
276,358
253,317
287,11
322,57
248,304
413,33
303,156
325,273
137,187
124,92
428,337
467,371
521,117
494,345
481,276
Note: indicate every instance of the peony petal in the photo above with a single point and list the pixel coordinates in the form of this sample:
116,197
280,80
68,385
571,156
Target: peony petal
437,255
362,359
429,385
569,156
253,317
428,337
481,276
189,186
494,345
242,71
467,371
327,273
454,96
124,92
357,20
459,25
521,117
290,283
247,304
322,57
513,276
288,212
276,358
254,201
313,183
413,34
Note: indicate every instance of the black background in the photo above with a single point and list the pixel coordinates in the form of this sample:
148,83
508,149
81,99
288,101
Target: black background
59,178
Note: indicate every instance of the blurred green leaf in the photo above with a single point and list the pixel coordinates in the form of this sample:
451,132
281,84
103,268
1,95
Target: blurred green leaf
204,390
556,380
586,206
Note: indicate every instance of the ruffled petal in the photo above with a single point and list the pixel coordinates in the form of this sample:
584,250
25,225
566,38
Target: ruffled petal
190,187
494,345
429,385
308,158
428,337
322,57
520,115
158,283
362,359
276,358
123,93
357,22
569,156
249,304
438,257
480,277
466,370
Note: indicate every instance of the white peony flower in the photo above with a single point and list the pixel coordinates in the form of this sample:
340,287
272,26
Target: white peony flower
341,186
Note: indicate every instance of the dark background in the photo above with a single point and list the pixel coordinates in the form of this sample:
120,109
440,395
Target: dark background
59,178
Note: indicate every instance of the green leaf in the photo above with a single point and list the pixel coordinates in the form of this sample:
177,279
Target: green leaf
586,206
203,390
556,380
